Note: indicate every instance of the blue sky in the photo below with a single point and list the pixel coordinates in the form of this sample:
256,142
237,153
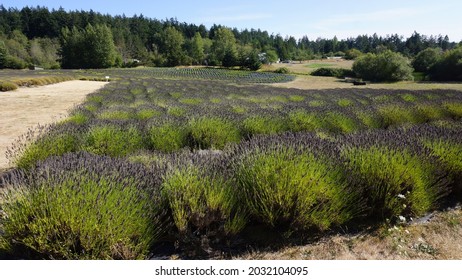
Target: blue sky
346,18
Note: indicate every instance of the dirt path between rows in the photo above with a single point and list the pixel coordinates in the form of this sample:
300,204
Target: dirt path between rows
27,107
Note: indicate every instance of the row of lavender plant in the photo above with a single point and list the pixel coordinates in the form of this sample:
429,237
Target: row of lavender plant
81,205
238,76
167,115
191,98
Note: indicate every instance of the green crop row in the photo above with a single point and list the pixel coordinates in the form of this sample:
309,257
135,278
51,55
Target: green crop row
124,138
210,74
168,115
81,205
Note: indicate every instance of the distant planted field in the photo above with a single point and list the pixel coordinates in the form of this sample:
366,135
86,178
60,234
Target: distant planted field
12,79
202,162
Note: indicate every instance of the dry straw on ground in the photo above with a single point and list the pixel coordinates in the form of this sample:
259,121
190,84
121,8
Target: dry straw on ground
25,108
438,239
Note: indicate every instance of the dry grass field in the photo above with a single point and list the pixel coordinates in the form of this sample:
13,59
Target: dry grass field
306,67
25,108
317,82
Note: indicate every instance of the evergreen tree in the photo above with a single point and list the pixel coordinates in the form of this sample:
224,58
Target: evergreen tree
197,49
173,41
224,44
281,48
415,43
230,59
144,39
72,48
100,51
3,55
89,48
253,61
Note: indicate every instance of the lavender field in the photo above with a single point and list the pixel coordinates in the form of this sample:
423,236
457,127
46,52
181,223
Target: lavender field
204,162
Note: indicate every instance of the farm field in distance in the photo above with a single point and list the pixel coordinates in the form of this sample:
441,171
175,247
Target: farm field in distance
214,163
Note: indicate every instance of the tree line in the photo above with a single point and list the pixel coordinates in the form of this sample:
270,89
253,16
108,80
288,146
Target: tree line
88,39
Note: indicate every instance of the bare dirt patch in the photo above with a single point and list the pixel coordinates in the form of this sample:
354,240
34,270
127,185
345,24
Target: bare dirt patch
306,67
27,107
313,82
316,82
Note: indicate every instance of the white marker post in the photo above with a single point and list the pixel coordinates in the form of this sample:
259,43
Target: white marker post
107,78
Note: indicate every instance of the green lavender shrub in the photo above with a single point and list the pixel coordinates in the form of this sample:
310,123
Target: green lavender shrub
113,140
202,202
213,132
41,143
115,115
81,207
455,108
446,145
448,151
146,113
302,120
78,118
169,136
394,115
433,112
397,182
338,122
264,125
284,184
370,119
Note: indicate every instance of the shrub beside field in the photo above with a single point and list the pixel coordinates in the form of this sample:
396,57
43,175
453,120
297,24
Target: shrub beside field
30,82
333,72
8,86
